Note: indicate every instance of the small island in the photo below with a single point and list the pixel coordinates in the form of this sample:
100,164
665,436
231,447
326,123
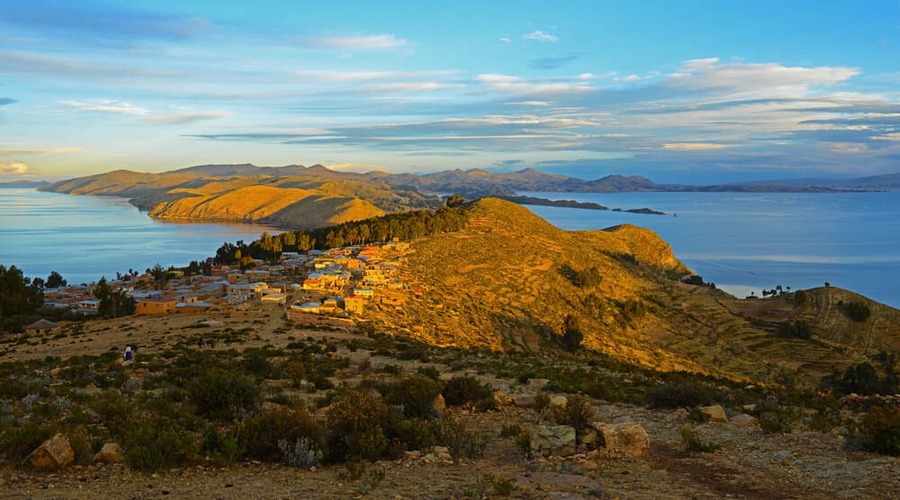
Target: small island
587,205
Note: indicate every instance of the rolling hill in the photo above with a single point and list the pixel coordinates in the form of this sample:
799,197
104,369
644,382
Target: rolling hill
231,193
511,281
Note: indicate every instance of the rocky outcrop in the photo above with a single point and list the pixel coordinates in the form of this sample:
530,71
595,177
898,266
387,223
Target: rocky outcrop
627,438
714,413
111,453
54,453
556,440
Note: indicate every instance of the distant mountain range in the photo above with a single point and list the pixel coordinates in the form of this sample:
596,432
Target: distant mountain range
23,184
300,196
478,182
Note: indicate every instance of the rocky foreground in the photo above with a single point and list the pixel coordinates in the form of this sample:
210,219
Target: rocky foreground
538,441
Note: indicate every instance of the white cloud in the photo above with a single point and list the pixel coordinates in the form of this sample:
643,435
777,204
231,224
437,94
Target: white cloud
185,117
13,168
367,43
530,103
515,85
540,36
332,76
894,136
51,151
107,106
757,80
693,146
412,87
506,39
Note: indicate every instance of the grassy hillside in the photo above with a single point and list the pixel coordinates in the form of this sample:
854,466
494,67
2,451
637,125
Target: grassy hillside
511,281
297,201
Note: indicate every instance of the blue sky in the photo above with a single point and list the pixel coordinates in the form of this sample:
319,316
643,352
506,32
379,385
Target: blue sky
678,91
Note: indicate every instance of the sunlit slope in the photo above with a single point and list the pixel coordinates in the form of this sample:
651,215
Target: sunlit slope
509,281
303,201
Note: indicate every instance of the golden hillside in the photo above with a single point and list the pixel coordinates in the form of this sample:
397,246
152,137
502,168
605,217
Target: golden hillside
510,280
294,201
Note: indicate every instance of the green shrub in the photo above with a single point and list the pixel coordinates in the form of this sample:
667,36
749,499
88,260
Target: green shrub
418,434
798,329
221,444
259,436
578,412
223,395
351,423
157,444
462,390
881,428
510,430
415,394
366,444
682,394
18,442
856,311
115,411
774,418
460,438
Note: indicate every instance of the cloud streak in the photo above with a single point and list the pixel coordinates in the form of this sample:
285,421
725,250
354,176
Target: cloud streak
359,43
184,117
106,106
541,36
13,168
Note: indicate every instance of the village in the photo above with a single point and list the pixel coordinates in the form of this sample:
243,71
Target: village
337,284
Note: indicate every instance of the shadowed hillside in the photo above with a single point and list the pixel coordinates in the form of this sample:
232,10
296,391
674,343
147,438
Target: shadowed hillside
511,281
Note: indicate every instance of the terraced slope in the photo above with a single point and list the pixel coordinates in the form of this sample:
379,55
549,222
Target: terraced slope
509,282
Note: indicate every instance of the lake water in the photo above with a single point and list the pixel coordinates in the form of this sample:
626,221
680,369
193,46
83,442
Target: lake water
745,242
86,237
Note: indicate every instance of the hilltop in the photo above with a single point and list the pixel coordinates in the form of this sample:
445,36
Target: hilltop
511,281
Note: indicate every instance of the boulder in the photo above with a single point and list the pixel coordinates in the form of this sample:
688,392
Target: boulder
715,413
524,400
744,420
538,383
499,398
558,401
54,453
625,437
111,453
438,405
558,440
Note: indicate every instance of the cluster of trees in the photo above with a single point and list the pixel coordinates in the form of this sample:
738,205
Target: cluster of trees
778,290
855,311
582,278
113,304
20,297
405,226
863,378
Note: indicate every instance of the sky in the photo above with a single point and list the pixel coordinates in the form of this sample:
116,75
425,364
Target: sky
677,91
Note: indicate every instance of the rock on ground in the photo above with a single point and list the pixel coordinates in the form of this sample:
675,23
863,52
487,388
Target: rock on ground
54,453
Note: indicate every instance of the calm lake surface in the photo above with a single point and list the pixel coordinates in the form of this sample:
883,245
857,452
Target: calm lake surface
745,242
86,237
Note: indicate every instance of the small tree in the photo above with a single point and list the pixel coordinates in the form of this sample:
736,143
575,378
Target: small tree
572,334
55,280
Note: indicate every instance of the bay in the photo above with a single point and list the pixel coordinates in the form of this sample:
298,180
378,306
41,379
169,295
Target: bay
86,237
745,242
